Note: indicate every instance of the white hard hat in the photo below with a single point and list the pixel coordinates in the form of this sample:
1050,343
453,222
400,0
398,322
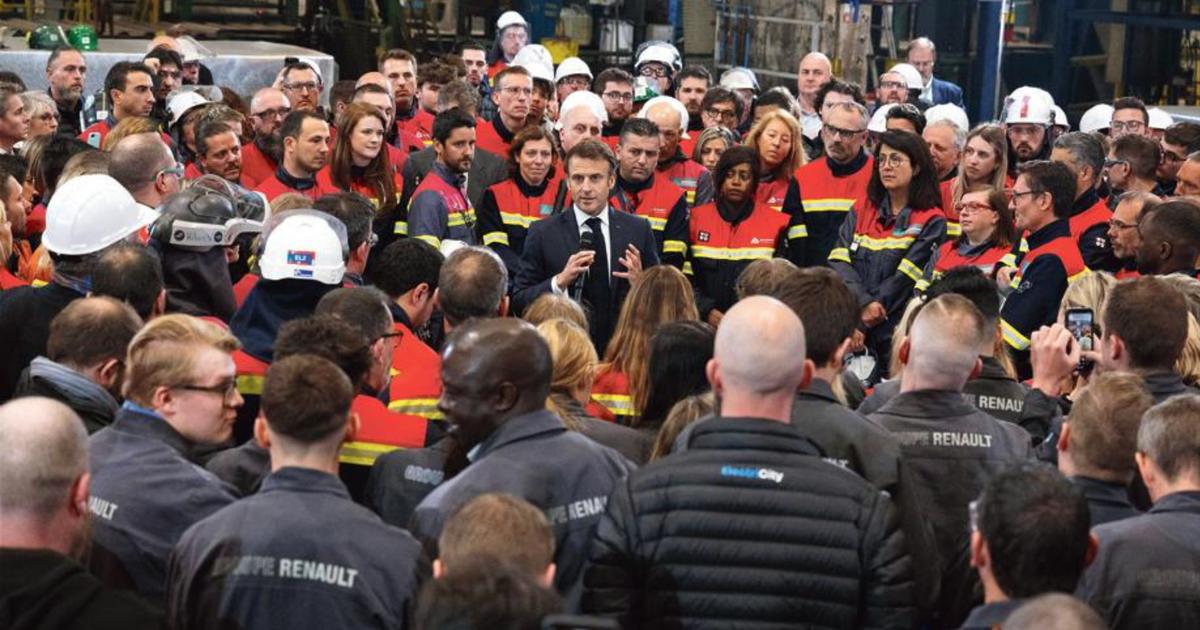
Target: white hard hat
739,79
538,70
181,103
911,75
1060,118
510,18
668,57
534,53
670,101
1028,90
570,67
878,122
1097,117
1159,118
1030,108
582,98
304,244
950,112
91,212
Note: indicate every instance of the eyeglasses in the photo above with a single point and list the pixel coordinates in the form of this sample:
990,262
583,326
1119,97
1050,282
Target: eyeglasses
1117,224
276,113
723,114
1017,194
1127,125
1112,163
515,91
838,132
579,82
893,85
226,389
965,208
177,170
1173,157
894,160
651,70
303,87
620,97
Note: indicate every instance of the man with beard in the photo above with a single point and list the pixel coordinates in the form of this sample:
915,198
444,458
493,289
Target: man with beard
66,70
615,87
823,190
1123,230
168,70
1089,217
44,526
219,152
692,84
303,86
639,192
1179,141
305,151
261,157
1027,122
672,119
439,208
130,89
474,56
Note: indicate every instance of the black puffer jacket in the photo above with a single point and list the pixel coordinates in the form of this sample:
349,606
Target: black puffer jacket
749,528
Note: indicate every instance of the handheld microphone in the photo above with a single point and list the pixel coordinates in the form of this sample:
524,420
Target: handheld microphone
587,242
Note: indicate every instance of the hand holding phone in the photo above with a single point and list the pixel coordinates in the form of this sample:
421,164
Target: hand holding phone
1082,324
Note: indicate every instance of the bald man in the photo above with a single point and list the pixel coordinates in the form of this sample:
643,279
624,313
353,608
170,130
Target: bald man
496,377
146,167
697,535
814,72
952,447
267,111
44,515
673,162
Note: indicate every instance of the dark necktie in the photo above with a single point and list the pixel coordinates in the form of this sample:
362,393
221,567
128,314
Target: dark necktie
597,285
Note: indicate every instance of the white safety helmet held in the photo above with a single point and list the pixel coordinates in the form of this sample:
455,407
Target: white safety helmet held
878,122
1159,118
911,75
950,112
510,18
305,245
91,212
582,98
1030,108
672,103
1098,117
181,103
570,67
1060,118
663,54
739,79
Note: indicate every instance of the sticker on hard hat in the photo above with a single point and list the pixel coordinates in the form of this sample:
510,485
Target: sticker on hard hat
302,273
299,257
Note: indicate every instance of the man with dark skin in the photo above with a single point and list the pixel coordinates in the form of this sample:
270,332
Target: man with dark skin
1170,239
496,377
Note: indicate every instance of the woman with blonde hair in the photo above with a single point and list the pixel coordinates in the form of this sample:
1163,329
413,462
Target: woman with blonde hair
554,306
711,144
683,414
984,162
776,139
662,295
574,359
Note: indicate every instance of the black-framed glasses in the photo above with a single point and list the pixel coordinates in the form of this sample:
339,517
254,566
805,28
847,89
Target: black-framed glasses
277,113
650,70
303,87
176,169
225,389
723,114
838,132
1112,163
1016,194
1117,224
620,97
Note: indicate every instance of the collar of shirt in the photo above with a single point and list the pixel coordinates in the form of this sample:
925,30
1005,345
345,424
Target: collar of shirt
295,183
927,90
517,429
901,218
297,479
139,420
929,404
531,191
581,217
1085,201
849,168
457,180
1049,232
502,130
634,188
1187,501
819,388
1095,490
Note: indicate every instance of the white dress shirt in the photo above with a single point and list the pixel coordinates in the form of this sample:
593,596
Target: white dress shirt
581,218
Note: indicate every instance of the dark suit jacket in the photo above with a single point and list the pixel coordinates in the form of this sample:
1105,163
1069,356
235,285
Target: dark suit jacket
553,240
946,92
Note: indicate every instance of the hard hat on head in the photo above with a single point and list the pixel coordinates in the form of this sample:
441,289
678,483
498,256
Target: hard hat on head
878,122
181,103
739,79
670,102
1060,118
911,75
666,55
1030,108
201,217
1096,118
537,70
304,245
947,111
535,53
582,98
1159,118
572,66
91,212
510,18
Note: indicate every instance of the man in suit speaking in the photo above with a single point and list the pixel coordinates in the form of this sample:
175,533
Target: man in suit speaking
590,251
